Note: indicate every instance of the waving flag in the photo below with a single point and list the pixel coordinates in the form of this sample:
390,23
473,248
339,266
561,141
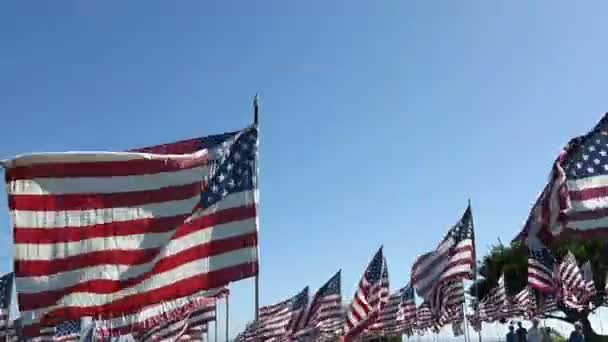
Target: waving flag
407,310
277,322
570,275
454,259
371,295
190,327
576,198
390,321
102,234
524,303
541,265
324,316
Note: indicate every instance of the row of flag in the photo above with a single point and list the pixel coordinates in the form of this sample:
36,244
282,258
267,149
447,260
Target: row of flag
437,277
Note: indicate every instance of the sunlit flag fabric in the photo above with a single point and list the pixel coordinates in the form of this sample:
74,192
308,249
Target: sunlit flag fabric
576,198
371,295
454,259
541,264
446,297
497,304
324,316
103,233
6,294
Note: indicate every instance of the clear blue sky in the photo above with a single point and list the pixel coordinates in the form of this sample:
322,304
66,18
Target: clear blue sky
379,119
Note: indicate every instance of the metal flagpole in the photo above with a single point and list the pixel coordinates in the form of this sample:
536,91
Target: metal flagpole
256,115
476,273
227,317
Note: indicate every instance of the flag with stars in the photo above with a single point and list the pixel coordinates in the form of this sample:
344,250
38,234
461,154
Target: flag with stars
324,316
453,260
6,292
68,331
174,219
541,264
371,296
575,201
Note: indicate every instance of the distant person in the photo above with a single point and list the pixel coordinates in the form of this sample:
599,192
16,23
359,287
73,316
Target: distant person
511,337
535,334
521,332
547,335
577,334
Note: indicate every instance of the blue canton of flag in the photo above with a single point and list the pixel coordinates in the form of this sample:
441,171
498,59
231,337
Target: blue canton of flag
543,256
234,169
6,291
68,331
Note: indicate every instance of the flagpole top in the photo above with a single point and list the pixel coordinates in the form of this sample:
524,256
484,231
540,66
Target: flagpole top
256,113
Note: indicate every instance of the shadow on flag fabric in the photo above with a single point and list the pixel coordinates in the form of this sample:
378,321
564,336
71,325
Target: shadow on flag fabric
102,234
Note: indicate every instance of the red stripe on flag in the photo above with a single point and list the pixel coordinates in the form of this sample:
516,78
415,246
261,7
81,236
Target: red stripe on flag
104,169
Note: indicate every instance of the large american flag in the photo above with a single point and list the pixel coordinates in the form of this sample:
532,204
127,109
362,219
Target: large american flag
371,295
277,322
102,234
324,316
6,294
541,263
186,328
576,197
454,259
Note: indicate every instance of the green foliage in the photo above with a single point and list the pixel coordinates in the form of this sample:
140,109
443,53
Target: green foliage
513,262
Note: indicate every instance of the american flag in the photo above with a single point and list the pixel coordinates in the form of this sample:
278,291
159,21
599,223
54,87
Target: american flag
6,294
570,275
547,304
68,331
390,321
13,331
541,264
324,316
153,316
371,295
446,298
454,259
590,290
424,317
183,329
524,303
277,322
575,200
407,311
497,304
172,223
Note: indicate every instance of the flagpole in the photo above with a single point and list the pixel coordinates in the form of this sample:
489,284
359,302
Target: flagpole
256,117
227,317
476,273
